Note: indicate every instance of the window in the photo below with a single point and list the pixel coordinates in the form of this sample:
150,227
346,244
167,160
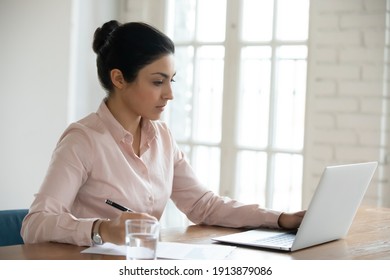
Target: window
240,92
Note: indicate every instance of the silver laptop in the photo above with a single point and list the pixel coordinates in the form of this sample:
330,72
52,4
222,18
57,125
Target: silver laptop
328,217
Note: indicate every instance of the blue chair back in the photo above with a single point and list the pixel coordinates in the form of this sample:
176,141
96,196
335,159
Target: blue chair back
10,225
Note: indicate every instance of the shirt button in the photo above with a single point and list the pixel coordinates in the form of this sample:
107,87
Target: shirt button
128,139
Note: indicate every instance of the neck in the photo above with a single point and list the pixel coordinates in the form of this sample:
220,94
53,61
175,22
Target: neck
130,121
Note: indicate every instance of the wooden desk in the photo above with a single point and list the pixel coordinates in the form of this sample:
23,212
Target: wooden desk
368,238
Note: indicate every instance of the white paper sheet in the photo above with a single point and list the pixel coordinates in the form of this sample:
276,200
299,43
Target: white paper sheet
171,250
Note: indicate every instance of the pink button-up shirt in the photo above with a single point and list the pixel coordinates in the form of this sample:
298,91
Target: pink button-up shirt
94,161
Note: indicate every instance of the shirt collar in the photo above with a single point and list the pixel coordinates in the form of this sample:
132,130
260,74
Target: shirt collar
116,129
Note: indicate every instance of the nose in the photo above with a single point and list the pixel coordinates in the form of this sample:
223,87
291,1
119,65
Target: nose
168,93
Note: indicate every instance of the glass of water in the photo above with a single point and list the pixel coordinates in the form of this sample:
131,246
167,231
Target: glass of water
141,239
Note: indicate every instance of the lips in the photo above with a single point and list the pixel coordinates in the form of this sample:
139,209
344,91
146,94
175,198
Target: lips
161,107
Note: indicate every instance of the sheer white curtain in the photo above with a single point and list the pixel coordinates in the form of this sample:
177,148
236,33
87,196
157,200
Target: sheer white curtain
385,139
85,92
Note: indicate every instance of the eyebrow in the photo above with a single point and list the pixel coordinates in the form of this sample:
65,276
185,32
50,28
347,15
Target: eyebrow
166,76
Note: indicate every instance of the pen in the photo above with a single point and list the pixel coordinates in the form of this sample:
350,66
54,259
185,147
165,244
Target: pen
118,206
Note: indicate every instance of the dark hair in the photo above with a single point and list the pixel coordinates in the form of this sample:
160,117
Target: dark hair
127,47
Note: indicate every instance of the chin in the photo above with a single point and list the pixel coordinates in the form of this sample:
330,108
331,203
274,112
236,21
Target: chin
153,117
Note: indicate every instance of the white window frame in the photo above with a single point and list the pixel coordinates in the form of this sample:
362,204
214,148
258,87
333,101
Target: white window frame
143,11
228,146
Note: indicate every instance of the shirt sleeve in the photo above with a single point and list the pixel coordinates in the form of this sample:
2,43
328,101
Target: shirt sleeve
202,206
50,218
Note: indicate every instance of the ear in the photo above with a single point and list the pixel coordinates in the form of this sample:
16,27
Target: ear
117,78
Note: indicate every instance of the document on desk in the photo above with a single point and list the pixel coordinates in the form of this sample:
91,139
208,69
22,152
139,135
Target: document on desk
170,250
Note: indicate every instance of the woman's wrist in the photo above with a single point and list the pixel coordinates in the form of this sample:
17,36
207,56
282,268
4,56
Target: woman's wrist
97,235
104,230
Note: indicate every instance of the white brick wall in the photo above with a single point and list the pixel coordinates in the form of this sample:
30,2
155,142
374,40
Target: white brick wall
345,94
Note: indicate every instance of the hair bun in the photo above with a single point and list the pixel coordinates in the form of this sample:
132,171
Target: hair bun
102,35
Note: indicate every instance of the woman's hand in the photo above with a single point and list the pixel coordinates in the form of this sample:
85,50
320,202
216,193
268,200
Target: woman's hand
291,220
114,230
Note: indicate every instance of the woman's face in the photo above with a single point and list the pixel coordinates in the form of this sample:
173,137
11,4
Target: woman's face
149,93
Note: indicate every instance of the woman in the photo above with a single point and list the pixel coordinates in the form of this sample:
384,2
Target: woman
123,153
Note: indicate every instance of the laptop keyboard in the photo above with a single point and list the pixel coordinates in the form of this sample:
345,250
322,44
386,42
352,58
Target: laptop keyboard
283,239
